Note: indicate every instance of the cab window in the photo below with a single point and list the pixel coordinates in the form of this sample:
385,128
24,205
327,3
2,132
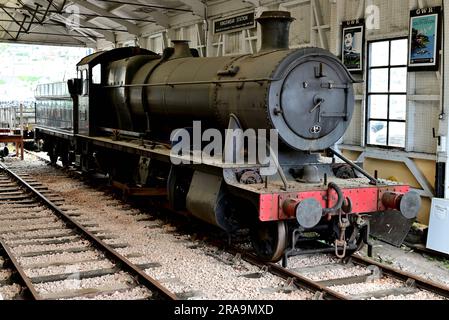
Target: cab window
96,74
85,79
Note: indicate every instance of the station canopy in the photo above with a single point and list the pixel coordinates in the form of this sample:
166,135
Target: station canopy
83,22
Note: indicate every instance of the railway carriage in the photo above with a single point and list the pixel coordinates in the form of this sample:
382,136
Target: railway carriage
127,102
55,115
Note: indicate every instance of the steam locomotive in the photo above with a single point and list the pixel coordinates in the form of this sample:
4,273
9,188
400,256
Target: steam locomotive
120,114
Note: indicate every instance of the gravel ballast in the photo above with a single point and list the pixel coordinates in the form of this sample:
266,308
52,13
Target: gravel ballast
192,269
9,292
192,273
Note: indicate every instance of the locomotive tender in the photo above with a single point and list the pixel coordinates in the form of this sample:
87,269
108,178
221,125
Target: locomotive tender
127,102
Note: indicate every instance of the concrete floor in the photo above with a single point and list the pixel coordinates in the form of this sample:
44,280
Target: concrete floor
406,259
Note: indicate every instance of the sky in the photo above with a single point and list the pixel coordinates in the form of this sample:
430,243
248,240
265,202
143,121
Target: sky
23,67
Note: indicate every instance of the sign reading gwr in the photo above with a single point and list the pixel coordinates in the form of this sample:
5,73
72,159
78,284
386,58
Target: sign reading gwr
232,23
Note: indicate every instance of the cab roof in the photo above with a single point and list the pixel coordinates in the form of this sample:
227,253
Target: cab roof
113,55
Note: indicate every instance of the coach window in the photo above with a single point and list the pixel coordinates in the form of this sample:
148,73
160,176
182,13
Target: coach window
96,74
387,93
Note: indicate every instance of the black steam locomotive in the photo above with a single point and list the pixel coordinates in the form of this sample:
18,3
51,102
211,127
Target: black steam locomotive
120,114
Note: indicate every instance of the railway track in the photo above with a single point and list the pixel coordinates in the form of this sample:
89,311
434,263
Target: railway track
334,279
10,284
52,256
392,283
381,281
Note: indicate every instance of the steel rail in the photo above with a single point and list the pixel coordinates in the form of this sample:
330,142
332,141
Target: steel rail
24,280
324,292
420,282
327,293
123,262
298,280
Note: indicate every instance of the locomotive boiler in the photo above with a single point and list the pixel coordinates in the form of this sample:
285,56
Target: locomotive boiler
128,102
306,94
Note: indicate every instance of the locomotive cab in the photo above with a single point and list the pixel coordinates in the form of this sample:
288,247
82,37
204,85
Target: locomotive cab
94,111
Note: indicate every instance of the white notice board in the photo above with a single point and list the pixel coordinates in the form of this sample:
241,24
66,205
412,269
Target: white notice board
438,239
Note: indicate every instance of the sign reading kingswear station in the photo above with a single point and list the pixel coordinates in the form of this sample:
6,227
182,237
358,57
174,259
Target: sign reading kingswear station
243,21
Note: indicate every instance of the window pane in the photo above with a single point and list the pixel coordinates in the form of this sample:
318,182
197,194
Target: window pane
378,80
378,106
399,52
398,107
379,54
397,134
378,133
85,83
398,80
96,74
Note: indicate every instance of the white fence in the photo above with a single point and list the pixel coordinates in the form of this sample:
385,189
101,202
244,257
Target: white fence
14,113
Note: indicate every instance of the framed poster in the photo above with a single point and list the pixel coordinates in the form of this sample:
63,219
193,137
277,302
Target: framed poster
424,39
353,38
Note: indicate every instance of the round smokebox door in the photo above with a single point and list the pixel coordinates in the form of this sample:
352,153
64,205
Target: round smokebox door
310,108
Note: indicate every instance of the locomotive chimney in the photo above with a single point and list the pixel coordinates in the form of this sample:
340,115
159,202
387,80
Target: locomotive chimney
275,30
181,49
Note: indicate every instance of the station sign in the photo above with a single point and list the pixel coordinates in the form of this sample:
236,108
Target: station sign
242,21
